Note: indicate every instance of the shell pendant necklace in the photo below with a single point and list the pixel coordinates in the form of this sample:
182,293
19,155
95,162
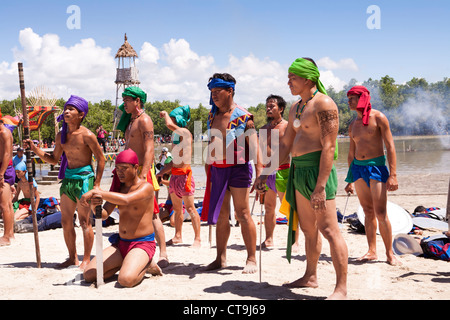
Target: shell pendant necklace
297,122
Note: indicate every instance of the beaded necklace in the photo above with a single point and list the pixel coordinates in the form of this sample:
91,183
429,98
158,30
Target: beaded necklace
134,119
297,122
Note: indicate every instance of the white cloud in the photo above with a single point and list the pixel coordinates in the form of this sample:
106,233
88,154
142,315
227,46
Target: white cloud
85,69
329,79
346,64
174,71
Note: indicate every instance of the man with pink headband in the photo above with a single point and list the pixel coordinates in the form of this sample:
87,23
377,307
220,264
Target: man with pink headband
368,170
133,248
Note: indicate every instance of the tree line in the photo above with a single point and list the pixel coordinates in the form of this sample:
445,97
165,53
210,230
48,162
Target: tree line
414,108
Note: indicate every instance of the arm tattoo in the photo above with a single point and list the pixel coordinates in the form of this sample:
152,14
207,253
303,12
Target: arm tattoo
328,122
148,135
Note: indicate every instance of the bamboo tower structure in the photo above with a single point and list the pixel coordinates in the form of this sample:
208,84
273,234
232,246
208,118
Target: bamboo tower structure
127,73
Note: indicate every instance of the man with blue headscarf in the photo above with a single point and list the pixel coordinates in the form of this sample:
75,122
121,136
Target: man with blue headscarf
233,142
75,146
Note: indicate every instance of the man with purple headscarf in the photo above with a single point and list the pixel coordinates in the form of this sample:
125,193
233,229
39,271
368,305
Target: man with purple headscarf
75,146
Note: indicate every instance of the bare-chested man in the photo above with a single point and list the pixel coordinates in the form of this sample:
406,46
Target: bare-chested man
276,182
182,184
7,179
138,129
311,139
233,141
75,146
133,248
368,171
23,186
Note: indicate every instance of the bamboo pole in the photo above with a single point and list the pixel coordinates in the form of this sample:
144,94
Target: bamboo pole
26,135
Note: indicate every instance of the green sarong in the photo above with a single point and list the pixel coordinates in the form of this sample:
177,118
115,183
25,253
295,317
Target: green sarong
303,178
77,182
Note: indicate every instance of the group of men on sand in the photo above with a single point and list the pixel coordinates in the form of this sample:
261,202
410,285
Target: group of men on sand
298,169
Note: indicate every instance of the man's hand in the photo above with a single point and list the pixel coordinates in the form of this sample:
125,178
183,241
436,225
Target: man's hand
391,183
260,184
96,201
318,200
91,198
29,144
349,188
163,114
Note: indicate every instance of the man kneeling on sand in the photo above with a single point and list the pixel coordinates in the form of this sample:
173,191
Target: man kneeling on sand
133,248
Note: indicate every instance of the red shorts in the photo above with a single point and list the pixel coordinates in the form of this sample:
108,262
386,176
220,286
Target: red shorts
126,246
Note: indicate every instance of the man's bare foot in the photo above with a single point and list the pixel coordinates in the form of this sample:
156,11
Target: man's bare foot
5,241
250,267
338,295
393,261
174,241
154,269
216,264
267,244
84,264
303,282
68,263
197,244
369,256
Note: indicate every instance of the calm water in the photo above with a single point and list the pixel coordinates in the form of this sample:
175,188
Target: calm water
414,155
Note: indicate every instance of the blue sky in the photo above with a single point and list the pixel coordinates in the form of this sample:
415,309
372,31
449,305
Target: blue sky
243,36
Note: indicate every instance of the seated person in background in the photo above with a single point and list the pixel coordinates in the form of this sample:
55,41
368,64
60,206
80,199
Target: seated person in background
23,205
48,217
19,157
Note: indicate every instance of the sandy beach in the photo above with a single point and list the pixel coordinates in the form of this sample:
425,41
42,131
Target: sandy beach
417,279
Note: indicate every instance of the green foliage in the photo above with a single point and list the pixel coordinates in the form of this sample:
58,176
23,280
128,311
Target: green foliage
386,96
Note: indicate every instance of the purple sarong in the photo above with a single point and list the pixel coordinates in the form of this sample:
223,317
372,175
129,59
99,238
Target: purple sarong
10,175
271,182
238,176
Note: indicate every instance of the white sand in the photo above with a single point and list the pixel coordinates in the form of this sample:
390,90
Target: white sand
418,278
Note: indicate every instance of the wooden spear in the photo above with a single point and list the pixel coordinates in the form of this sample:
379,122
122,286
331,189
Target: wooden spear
26,135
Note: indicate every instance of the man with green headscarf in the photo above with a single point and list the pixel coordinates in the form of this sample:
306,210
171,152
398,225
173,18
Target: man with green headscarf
310,139
138,129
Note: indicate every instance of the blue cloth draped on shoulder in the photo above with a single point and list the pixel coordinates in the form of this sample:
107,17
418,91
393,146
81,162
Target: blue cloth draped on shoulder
82,106
218,83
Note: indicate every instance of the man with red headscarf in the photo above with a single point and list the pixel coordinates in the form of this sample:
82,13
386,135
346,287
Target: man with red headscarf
368,171
133,248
